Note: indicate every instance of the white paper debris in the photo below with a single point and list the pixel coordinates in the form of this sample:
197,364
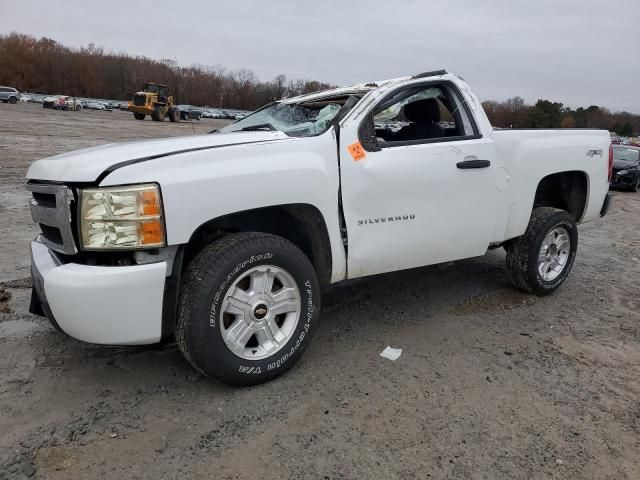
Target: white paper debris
391,353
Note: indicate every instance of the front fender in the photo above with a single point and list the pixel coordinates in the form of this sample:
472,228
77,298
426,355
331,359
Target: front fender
206,184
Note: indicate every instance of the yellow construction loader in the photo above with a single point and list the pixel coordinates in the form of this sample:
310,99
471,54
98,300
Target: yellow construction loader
154,100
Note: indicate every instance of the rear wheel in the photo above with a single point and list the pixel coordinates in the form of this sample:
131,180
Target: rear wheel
158,114
13,100
139,116
540,260
247,308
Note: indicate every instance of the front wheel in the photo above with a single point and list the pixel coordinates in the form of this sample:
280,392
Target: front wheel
247,308
174,115
13,100
158,114
540,260
636,186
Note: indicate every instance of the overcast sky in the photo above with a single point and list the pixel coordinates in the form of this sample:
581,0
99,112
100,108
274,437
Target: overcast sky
578,52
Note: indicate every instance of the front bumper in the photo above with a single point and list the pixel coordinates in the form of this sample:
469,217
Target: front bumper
105,305
627,180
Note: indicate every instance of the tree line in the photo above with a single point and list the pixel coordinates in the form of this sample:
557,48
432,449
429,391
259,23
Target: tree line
45,66
515,113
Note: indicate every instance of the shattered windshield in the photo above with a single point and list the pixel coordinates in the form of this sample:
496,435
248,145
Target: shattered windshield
304,119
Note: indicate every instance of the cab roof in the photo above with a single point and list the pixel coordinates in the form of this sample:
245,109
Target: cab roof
359,88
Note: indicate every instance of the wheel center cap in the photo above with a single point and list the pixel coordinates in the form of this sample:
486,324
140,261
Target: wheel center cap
553,249
260,311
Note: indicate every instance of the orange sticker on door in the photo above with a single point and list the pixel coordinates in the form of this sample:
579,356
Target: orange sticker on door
357,151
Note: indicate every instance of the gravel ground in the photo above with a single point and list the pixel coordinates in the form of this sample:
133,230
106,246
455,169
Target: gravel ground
491,384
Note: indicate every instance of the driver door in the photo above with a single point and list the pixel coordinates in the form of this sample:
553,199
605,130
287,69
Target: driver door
410,202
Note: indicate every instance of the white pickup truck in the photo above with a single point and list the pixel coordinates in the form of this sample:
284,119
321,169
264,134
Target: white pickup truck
224,240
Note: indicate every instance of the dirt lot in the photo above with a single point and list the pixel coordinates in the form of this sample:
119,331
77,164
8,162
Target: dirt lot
491,383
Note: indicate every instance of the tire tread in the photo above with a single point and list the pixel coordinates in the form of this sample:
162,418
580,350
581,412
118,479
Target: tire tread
518,252
213,258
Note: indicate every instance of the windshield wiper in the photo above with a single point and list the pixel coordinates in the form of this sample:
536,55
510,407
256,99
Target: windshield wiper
260,126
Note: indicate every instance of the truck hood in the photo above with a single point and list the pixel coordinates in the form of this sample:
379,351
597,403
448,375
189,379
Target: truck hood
89,164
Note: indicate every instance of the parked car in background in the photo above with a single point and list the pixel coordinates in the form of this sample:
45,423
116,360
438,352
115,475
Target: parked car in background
50,101
188,112
626,167
9,95
25,98
92,105
65,102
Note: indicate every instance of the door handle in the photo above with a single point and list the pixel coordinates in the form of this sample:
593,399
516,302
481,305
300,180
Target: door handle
473,164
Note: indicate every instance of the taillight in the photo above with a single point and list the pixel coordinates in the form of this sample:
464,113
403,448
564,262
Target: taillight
610,162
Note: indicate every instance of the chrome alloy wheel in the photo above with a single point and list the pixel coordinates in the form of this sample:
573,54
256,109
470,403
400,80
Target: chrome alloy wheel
554,254
260,312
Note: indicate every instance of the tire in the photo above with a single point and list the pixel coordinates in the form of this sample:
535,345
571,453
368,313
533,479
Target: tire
13,100
636,186
525,262
139,116
158,114
174,115
228,265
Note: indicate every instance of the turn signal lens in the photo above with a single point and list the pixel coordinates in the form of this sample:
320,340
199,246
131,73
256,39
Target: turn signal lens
121,218
150,202
151,233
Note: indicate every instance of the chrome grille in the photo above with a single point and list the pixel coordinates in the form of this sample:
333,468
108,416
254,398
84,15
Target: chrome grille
51,210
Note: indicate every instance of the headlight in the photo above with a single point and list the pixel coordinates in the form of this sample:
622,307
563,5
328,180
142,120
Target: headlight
623,172
121,218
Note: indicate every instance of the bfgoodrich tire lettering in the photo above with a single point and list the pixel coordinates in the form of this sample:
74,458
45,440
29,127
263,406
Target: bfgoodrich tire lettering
206,282
523,253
